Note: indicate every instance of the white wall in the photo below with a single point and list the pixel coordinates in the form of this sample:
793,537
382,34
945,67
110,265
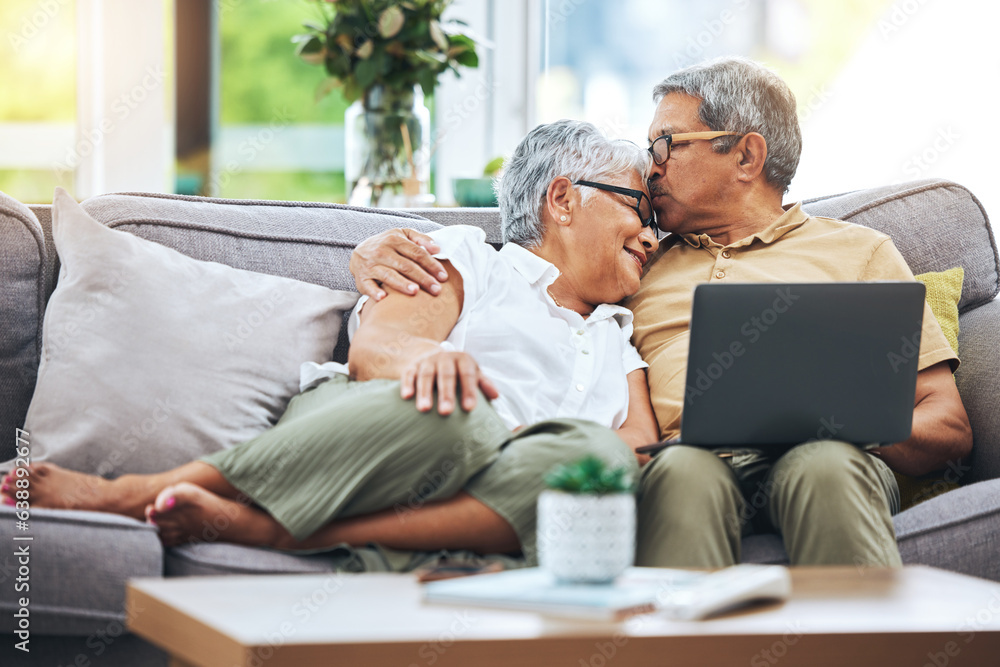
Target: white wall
919,99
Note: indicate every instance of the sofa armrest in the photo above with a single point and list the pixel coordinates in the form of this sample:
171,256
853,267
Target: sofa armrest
978,381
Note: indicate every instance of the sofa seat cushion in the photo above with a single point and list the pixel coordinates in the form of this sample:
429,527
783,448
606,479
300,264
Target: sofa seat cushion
79,563
957,531
206,558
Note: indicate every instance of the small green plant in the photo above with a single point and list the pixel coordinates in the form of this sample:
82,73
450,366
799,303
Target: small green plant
590,475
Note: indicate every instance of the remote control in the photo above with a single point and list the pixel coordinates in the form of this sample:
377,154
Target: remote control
724,590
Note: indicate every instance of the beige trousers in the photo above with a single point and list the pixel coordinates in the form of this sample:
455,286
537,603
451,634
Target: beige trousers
831,502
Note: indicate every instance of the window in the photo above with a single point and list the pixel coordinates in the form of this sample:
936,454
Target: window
38,104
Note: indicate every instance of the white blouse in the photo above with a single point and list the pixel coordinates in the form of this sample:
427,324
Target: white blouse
546,361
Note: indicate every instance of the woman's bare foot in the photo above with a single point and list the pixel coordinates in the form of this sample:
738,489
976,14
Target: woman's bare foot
187,513
48,485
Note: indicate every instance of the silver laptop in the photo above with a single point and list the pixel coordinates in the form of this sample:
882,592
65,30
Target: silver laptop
773,365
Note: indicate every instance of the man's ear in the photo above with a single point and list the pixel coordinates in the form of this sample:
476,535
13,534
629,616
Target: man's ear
560,200
750,153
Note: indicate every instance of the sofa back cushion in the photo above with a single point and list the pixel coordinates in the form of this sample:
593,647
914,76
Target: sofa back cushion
306,241
22,302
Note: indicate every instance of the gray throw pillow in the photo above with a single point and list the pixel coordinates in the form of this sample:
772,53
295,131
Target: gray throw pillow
151,359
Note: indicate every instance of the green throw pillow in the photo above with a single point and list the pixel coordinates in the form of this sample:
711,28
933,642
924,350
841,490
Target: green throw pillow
944,290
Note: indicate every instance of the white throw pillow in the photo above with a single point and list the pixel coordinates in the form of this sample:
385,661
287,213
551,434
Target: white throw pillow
151,358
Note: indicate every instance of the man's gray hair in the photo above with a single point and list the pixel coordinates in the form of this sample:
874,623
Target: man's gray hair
570,148
740,95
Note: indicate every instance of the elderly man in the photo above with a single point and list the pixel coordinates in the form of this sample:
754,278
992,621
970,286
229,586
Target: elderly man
726,142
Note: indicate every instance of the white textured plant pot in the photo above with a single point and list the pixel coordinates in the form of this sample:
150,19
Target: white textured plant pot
586,538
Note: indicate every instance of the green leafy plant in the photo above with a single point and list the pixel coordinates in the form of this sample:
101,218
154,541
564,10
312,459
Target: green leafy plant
391,43
589,475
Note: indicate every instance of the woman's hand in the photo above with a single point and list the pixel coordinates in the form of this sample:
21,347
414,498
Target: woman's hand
442,369
397,258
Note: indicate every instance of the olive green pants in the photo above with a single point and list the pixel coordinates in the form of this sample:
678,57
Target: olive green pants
347,448
831,502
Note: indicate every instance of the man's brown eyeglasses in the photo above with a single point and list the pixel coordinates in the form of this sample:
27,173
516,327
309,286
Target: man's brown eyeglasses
660,148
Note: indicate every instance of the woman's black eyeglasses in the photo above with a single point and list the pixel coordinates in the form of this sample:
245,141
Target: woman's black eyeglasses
643,206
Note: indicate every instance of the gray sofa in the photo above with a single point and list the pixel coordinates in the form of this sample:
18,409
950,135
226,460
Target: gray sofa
81,560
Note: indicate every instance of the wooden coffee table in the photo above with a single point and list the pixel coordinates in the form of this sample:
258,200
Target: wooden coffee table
916,616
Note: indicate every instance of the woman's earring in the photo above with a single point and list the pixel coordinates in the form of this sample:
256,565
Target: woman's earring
562,218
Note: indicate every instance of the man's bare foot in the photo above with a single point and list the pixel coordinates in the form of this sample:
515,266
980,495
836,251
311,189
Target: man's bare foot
49,485
188,513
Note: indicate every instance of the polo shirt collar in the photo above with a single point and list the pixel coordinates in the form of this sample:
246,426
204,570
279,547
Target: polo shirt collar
793,218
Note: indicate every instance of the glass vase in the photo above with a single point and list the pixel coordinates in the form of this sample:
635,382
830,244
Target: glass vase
387,141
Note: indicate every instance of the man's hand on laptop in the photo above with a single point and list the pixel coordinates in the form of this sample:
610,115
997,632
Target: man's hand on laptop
941,430
399,258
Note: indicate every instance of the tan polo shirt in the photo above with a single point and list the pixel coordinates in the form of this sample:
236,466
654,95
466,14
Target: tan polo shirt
797,248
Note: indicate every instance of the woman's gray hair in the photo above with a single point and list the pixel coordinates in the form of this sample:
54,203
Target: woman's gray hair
740,95
570,148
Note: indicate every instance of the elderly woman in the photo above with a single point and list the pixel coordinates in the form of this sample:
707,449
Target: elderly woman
530,327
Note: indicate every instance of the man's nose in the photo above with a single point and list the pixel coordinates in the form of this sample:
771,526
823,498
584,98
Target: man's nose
657,171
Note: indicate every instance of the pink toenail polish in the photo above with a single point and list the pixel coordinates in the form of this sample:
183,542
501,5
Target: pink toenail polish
5,488
8,501
171,502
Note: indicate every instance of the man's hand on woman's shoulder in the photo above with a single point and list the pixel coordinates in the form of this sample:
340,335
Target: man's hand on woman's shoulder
398,258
